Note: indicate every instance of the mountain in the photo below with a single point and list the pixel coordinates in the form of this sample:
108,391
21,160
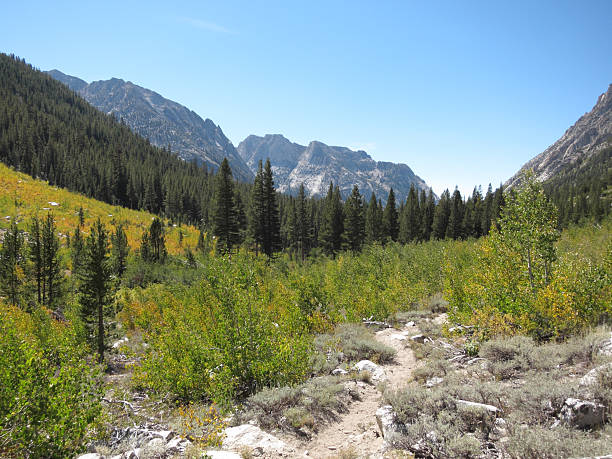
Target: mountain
162,121
591,134
317,164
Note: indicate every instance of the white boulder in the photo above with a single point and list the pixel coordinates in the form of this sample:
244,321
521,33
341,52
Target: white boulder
376,371
251,437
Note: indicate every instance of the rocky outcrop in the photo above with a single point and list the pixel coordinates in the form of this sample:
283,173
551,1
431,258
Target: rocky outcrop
254,439
583,414
388,424
318,164
592,376
591,133
162,121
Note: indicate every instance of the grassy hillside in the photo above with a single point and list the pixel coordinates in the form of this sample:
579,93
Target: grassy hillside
21,197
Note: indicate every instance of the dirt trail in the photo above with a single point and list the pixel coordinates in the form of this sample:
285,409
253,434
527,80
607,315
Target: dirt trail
357,430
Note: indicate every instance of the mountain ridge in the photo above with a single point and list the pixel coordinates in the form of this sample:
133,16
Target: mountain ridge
318,164
591,133
162,121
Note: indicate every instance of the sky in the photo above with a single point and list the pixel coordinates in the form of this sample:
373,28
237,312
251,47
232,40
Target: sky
464,92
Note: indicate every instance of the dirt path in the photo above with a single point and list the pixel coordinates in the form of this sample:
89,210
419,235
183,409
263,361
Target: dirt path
357,431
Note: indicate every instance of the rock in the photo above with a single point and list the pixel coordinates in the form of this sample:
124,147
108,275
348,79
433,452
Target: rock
90,456
398,336
387,422
222,455
376,371
499,430
165,435
418,338
251,437
582,413
433,381
606,347
591,377
490,408
410,324
156,443
121,342
339,372
177,444
133,454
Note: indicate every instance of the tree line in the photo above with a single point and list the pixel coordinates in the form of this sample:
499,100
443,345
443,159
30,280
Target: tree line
298,225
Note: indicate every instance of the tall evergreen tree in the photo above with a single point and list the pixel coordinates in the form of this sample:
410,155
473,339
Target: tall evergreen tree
96,291
241,218
271,237
332,224
51,263
35,254
441,215
373,221
354,220
301,224
225,223
119,251
391,218
256,210
411,230
12,265
428,209
487,212
455,218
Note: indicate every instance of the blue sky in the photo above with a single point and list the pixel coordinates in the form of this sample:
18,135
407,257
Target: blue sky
464,92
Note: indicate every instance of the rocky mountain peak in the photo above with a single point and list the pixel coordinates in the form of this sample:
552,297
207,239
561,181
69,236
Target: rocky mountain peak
591,133
162,121
318,164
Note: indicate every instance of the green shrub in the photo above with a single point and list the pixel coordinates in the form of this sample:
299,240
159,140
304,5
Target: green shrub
538,442
229,336
49,395
313,402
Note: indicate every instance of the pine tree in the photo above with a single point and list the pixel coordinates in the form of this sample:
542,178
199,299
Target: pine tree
455,218
12,265
487,211
441,215
271,237
225,224
413,216
428,209
50,263
256,210
301,227
332,224
373,221
96,286
241,218
354,220
35,255
119,251
390,218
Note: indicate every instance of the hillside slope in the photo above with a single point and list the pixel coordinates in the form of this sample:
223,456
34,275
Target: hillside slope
589,135
162,121
22,197
49,132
